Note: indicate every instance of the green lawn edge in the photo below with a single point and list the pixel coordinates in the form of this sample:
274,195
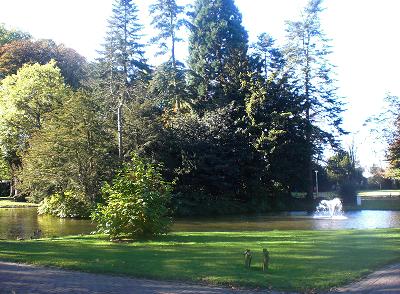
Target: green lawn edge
13,204
300,260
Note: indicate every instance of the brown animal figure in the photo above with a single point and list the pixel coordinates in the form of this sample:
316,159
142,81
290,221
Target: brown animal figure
247,258
265,260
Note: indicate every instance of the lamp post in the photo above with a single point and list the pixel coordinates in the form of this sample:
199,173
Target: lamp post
316,182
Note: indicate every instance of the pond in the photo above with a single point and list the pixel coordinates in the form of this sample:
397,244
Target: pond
23,222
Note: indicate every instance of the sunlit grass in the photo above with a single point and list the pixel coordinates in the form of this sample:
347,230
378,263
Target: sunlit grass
300,260
380,193
13,204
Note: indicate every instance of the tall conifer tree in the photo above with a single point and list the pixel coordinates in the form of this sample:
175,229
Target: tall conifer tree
307,52
167,21
217,51
123,56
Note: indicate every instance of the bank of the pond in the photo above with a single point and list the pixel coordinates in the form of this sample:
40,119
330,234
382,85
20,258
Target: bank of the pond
7,203
300,260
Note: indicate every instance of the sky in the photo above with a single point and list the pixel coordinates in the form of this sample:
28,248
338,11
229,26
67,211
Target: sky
363,33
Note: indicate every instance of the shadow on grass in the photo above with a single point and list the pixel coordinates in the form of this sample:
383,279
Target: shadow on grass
299,259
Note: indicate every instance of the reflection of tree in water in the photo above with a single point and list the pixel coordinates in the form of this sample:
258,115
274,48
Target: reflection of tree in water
24,222
15,232
18,223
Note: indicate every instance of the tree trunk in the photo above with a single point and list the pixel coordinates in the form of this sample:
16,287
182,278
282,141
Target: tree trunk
310,187
119,122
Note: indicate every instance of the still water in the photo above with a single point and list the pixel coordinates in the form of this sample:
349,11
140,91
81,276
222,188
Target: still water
23,222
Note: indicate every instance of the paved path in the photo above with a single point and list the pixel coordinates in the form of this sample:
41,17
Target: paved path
27,279
386,280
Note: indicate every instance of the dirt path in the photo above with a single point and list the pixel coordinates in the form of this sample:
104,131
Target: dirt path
386,280
27,279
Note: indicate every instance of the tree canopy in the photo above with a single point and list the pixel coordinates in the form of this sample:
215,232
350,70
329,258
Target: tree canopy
237,129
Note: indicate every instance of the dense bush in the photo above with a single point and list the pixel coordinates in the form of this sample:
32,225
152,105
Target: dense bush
135,203
66,204
348,192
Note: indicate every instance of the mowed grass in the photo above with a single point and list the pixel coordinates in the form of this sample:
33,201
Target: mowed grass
380,200
300,260
381,204
6,203
380,193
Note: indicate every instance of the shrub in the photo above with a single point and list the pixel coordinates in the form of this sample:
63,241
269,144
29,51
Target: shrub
348,192
135,203
66,204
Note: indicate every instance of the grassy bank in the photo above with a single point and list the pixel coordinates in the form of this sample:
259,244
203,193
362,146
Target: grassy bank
381,204
7,203
300,260
380,193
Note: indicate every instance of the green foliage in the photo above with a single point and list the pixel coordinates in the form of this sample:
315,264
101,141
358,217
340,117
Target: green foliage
72,151
25,98
217,52
135,203
123,51
168,86
4,169
307,53
210,158
344,171
266,58
277,129
167,21
66,204
122,63
348,192
9,35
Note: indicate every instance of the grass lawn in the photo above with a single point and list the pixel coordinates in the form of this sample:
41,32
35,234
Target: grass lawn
381,204
300,260
6,203
380,193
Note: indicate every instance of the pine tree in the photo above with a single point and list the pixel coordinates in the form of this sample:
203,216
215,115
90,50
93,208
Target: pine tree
307,52
266,57
123,57
217,51
167,21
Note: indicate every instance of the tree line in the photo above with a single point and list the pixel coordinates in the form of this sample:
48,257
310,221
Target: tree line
237,127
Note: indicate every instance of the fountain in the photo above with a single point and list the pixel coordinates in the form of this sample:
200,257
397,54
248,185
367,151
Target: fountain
330,209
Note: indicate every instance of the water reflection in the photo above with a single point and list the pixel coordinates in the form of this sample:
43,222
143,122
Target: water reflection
367,219
23,222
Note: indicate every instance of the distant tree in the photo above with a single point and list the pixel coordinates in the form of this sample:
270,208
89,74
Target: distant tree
123,58
343,169
168,85
17,53
378,177
268,59
307,52
167,20
218,46
9,35
25,99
